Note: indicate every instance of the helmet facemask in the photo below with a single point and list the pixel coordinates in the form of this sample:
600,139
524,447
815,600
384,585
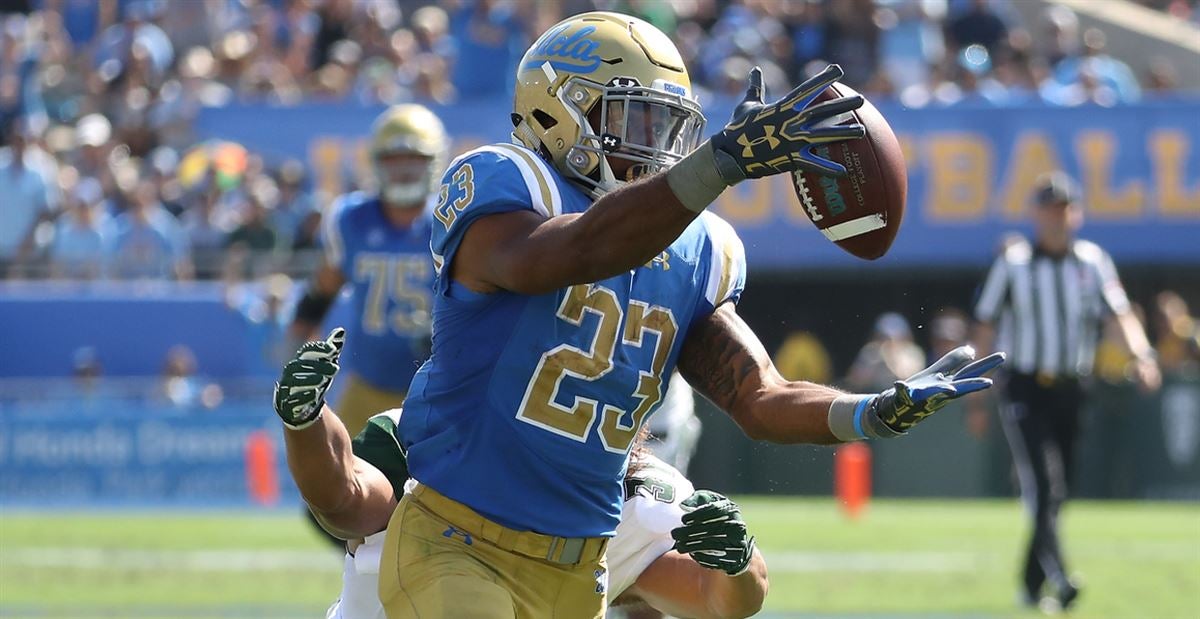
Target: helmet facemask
627,130
405,178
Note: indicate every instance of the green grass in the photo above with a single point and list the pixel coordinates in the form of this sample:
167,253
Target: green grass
901,558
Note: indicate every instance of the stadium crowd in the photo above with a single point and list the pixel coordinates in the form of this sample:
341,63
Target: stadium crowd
102,176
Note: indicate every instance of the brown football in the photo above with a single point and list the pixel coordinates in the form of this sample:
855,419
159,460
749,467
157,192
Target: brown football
860,212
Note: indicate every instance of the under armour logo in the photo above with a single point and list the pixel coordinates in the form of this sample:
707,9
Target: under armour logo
663,260
601,581
768,137
452,531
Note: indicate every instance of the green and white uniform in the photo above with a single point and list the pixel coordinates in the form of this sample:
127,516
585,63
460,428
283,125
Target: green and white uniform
652,495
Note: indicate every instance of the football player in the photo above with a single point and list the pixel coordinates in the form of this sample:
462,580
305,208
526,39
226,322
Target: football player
675,428
556,322
378,244
678,550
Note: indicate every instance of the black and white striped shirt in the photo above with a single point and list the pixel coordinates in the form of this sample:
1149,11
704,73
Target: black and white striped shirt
1049,308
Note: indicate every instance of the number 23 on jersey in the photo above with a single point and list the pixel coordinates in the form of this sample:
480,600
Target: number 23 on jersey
539,406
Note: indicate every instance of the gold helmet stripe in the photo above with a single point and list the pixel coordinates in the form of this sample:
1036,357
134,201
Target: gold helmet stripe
537,177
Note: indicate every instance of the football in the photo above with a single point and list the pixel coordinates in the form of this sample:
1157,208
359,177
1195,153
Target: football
860,212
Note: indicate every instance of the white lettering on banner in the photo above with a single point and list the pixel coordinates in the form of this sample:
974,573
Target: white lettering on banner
161,442
103,445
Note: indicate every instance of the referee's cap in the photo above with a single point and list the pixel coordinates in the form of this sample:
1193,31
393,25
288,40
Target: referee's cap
1056,187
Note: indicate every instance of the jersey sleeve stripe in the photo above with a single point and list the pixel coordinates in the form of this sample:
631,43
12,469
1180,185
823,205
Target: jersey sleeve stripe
727,273
723,269
438,261
537,178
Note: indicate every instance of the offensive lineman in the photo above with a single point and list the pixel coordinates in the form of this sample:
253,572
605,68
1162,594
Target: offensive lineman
378,243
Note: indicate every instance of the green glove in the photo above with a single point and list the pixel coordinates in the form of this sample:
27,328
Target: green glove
713,533
300,392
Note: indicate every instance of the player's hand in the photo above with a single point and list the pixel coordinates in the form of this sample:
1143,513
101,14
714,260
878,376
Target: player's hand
300,392
910,401
771,138
713,533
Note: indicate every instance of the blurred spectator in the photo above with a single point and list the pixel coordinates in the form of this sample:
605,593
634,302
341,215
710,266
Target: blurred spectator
207,228
891,355
910,40
295,205
26,196
980,24
266,307
1095,73
148,241
1162,78
86,374
180,384
852,39
973,84
948,330
255,232
489,41
803,357
1060,37
1177,333
82,235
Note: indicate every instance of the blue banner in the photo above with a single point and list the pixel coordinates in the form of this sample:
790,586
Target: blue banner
971,172
116,453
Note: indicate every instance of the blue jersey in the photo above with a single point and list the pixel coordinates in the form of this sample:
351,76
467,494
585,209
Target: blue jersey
389,278
528,406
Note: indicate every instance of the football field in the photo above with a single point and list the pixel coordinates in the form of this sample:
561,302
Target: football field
901,559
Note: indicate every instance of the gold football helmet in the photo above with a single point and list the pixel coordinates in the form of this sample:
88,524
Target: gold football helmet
408,152
605,98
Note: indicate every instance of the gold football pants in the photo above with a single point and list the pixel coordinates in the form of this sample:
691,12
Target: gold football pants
441,559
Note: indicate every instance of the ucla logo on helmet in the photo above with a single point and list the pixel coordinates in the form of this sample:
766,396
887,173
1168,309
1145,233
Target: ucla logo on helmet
574,52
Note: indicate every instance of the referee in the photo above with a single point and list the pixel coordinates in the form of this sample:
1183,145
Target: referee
1044,304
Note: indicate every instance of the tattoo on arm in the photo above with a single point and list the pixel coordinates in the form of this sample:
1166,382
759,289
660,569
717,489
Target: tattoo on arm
722,357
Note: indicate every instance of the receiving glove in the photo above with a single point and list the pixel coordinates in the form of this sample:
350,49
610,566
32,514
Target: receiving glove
764,139
713,533
300,392
895,411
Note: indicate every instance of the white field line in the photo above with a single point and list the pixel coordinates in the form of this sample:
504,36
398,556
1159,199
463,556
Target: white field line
318,561
217,560
878,561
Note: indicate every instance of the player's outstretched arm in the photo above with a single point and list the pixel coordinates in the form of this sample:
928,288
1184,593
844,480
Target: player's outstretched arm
714,570
678,586
526,253
349,496
724,360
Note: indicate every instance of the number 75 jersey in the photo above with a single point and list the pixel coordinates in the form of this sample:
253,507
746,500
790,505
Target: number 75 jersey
528,406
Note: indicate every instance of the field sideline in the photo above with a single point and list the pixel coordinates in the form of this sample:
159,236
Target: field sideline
901,559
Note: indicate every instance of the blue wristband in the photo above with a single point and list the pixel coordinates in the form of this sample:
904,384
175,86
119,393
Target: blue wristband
858,414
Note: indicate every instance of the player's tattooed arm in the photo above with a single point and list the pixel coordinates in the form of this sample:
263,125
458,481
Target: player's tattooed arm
725,361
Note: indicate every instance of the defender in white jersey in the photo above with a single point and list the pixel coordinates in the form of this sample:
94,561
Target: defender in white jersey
678,550
654,491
